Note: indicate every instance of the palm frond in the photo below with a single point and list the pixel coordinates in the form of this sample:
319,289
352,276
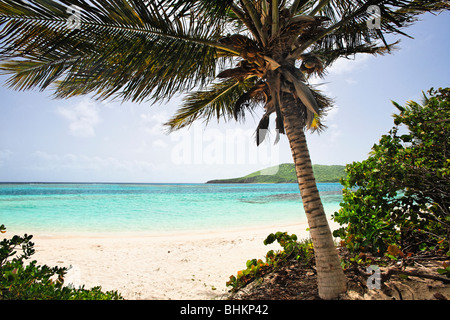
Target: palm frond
325,104
151,50
217,101
329,56
314,122
123,48
262,129
348,21
303,92
258,94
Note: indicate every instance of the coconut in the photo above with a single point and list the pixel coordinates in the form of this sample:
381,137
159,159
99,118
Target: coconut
310,64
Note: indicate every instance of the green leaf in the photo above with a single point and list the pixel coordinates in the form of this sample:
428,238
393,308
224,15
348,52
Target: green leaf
270,239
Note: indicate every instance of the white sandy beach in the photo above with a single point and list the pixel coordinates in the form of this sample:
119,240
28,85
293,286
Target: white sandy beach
158,267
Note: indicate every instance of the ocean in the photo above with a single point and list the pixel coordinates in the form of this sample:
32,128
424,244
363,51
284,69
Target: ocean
67,208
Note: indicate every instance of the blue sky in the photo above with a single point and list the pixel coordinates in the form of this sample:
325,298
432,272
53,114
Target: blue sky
84,140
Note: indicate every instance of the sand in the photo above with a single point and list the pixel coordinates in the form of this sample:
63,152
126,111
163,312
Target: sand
192,266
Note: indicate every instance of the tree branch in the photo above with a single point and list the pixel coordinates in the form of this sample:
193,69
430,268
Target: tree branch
391,272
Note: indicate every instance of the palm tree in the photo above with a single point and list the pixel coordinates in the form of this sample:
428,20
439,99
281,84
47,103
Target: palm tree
229,56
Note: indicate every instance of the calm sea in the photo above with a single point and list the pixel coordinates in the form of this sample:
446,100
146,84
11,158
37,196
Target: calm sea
153,208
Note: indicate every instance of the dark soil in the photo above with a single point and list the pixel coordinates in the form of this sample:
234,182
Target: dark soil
297,281
290,282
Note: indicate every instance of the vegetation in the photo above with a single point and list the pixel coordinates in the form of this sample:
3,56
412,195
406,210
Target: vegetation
397,202
395,211
300,251
285,173
20,281
229,56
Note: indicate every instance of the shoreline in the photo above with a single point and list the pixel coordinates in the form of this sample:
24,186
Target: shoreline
50,234
289,225
188,266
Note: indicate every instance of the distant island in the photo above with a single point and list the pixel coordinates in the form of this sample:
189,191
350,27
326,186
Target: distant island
285,173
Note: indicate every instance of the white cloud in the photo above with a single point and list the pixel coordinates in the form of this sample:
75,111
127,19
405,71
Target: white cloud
153,123
351,81
343,65
333,133
331,114
160,144
82,118
5,155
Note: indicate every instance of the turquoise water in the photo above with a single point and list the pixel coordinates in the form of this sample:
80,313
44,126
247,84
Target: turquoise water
154,208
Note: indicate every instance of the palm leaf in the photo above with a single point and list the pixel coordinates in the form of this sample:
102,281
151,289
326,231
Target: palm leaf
150,50
216,102
258,94
262,129
348,21
329,56
124,48
325,104
303,92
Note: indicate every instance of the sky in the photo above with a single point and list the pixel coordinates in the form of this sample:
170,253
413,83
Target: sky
84,140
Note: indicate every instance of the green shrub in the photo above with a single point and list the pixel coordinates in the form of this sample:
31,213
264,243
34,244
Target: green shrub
398,200
292,250
20,281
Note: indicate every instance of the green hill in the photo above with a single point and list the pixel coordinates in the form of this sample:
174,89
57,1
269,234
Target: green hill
285,173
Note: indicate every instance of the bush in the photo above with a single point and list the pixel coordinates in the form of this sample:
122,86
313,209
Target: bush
292,250
34,282
399,198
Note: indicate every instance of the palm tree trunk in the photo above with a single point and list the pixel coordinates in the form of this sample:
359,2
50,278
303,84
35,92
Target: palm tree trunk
330,276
